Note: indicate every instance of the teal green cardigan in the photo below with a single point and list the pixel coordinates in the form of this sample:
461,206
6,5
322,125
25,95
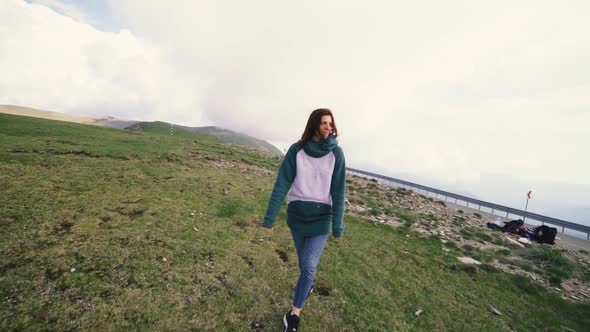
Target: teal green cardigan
309,217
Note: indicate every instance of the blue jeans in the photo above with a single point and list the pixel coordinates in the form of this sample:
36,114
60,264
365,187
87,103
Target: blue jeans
309,251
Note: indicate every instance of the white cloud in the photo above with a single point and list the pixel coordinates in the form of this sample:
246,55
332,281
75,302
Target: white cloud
50,61
451,90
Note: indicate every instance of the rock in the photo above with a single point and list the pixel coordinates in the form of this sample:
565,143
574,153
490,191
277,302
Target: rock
515,242
567,287
495,311
73,270
524,240
417,313
468,260
164,259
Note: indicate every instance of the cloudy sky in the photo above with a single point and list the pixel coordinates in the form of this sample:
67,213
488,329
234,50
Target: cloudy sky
489,98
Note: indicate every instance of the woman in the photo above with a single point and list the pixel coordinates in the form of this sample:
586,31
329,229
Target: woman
314,170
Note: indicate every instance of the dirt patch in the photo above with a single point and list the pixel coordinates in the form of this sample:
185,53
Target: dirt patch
131,215
323,290
62,227
242,224
282,255
257,325
248,261
210,263
135,213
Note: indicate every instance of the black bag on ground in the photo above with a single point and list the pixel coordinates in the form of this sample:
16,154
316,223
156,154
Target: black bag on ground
493,226
545,234
512,226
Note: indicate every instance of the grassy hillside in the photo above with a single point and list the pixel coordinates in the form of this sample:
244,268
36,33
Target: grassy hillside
237,138
223,135
105,229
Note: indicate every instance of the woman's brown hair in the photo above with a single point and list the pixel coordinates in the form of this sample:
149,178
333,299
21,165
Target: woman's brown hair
313,123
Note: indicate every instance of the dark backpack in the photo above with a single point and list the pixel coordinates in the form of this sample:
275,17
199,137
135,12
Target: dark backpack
545,234
512,226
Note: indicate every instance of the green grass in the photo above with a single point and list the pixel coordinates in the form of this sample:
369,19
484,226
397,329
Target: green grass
551,263
406,215
105,229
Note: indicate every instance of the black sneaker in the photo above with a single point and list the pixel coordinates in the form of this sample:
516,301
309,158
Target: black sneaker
291,322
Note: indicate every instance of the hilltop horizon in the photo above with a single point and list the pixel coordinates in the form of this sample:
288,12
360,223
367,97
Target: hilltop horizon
476,189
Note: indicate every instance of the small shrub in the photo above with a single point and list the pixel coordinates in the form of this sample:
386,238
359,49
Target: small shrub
527,266
484,236
230,207
408,217
402,191
504,252
466,234
489,268
374,212
468,248
460,211
498,241
356,201
451,244
441,203
388,211
477,215
522,284
458,221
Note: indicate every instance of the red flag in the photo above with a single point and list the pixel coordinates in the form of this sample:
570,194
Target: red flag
529,194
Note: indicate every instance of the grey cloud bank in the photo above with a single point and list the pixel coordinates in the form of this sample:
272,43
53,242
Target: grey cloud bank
490,98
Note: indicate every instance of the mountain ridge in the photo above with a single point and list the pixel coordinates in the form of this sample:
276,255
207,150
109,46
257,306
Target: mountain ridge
227,135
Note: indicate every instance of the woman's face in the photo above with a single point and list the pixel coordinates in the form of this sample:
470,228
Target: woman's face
325,127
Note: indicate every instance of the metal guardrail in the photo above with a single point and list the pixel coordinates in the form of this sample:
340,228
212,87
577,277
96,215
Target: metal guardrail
495,207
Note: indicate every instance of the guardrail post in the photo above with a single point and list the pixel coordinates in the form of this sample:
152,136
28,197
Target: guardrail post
492,211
